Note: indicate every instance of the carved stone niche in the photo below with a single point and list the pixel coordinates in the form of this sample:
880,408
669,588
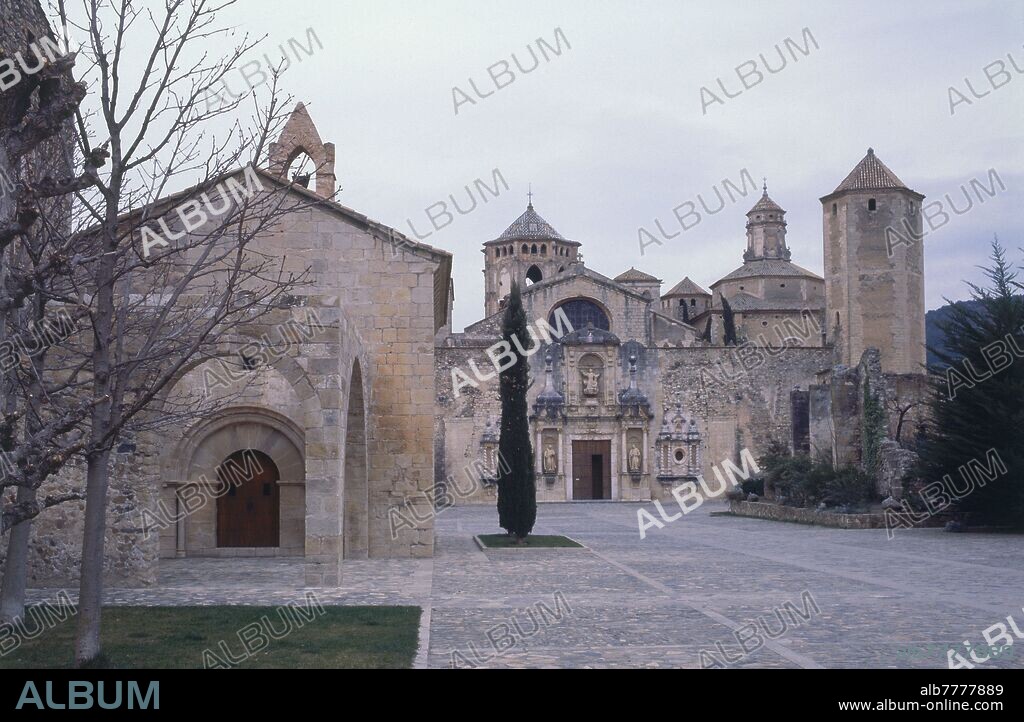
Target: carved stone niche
635,454
678,447
489,453
549,461
591,378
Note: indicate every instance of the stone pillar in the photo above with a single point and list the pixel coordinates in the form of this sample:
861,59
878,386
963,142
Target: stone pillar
323,533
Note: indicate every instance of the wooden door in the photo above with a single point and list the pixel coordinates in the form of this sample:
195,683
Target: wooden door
591,470
248,515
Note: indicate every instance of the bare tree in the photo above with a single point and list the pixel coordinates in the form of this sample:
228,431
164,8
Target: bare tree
155,280
35,170
900,408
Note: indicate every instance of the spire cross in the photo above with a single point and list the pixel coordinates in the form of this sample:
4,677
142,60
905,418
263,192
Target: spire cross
530,194
765,186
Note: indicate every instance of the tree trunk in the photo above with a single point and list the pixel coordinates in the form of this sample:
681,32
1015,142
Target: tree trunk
90,595
12,593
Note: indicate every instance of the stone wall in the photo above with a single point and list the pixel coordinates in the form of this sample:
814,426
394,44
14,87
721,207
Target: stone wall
836,408
774,512
627,311
346,413
894,463
875,293
55,544
740,397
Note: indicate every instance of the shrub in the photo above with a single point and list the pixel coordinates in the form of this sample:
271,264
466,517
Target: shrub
848,487
804,482
753,485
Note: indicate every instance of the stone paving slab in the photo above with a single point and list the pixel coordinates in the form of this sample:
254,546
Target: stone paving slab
660,601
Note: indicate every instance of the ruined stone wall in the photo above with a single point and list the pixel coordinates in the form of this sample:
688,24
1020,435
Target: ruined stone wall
836,413
740,395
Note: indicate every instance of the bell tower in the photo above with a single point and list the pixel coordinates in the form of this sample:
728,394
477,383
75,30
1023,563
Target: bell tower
874,268
766,231
528,252
299,136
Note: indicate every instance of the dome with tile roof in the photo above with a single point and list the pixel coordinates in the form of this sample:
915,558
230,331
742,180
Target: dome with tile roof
635,276
530,226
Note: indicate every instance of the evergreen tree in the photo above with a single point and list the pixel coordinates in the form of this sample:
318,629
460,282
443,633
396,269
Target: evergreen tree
706,336
517,491
728,323
978,399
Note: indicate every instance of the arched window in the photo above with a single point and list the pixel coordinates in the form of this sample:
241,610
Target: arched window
582,313
526,249
871,204
835,209
533,249
301,169
543,249
533,276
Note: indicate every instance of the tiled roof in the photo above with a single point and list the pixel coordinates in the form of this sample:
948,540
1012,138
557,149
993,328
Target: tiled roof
766,204
767,267
870,174
686,287
634,275
529,226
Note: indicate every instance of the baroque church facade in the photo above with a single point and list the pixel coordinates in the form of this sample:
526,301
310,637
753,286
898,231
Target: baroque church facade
360,424
644,392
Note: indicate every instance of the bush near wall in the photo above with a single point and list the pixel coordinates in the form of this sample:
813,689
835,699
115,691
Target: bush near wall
798,480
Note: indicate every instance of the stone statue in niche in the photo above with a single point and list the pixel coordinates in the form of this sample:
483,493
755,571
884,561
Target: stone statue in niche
550,461
634,459
591,377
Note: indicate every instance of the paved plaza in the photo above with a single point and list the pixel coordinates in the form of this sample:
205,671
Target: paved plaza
657,602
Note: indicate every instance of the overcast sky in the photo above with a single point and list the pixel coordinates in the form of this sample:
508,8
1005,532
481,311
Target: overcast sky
612,133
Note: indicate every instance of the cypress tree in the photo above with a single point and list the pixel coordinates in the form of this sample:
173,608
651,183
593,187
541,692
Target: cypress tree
977,400
517,491
706,336
728,323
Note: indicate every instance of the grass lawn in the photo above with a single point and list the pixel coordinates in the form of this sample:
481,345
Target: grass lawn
176,637
537,541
